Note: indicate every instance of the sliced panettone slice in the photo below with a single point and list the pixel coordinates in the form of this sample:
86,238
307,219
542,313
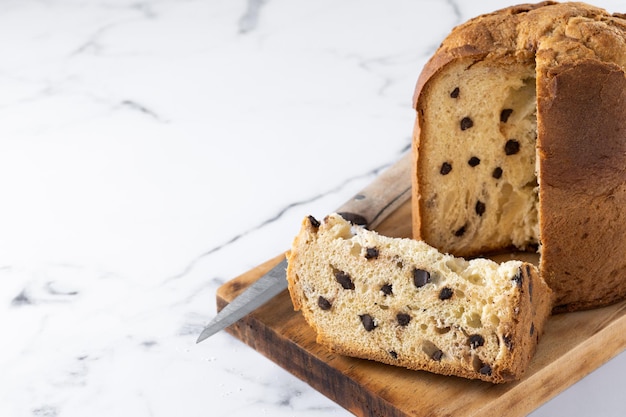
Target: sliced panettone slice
399,301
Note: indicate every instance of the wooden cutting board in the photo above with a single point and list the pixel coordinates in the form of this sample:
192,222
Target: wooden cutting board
574,344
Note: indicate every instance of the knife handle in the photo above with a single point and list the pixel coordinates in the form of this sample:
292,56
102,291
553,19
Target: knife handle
370,206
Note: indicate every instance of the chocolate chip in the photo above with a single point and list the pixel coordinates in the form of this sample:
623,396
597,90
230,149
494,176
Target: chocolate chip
508,342
511,147
476,341
393,354
473,161
480,208
519,277
437,355
466,123
344,279
403,319
371,253
460,231
314,222
368,322
420,277
504,115
323,303
529,270
485,370
532,328
455,93
497,173
445,293
387,289
445,168
530,282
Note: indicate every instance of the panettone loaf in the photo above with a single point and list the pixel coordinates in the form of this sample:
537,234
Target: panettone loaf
399,301
520,142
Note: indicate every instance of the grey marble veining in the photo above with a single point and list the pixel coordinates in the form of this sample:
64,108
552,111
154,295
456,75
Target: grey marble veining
152,151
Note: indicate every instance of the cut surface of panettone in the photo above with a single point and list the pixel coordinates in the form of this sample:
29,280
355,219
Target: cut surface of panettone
401,302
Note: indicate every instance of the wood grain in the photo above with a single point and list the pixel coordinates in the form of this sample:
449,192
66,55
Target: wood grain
574,344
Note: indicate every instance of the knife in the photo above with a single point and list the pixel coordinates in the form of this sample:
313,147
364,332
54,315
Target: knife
368,208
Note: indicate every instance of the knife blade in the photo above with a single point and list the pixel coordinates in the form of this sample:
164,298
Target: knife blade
368,208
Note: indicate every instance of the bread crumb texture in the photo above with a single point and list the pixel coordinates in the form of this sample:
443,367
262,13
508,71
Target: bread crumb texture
402,302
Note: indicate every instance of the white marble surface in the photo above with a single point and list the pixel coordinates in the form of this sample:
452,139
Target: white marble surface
152,150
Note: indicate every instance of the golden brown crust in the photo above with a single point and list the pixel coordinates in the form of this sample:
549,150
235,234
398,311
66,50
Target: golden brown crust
583,184
580,54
